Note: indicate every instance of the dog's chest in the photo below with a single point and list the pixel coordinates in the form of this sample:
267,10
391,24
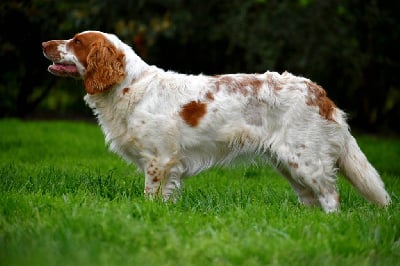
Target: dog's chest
116,117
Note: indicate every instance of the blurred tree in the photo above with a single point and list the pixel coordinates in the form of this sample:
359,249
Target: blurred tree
20,74
348,47
24,82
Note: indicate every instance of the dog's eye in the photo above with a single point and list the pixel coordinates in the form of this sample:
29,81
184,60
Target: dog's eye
77,41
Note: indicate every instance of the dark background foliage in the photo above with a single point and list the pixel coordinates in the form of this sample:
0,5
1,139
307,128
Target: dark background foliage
350,47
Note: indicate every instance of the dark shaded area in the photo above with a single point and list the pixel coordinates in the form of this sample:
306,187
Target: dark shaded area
348,47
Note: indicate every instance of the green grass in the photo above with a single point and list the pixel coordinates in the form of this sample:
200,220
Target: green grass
65,200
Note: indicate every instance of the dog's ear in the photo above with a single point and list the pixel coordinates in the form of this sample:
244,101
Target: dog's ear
105,67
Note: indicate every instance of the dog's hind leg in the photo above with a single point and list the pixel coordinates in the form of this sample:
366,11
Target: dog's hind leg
313,179
321,184
305,195
172,184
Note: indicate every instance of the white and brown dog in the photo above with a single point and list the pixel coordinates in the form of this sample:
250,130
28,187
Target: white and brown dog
174,125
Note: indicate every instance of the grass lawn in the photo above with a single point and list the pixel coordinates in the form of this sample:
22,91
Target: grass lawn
66,200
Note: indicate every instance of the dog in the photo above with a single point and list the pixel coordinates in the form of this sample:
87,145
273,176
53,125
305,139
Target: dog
173,125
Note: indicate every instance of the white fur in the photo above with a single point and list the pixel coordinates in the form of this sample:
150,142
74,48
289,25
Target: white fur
144,125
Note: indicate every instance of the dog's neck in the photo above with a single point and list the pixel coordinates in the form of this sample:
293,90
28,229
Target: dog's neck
126,94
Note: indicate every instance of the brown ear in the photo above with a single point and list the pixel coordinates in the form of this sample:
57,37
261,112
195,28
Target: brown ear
105,67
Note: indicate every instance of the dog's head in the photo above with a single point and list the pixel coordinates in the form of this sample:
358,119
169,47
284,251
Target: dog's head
90,55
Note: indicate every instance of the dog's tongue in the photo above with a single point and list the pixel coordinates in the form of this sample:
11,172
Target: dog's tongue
64,70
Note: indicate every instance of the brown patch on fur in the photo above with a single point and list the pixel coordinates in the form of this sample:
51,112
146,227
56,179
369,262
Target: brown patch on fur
272,83
192,112
317,97
293,165
256,84
125,91
244,84
210,96
50,48
217,83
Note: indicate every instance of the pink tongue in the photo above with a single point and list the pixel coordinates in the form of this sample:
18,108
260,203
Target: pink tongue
64,68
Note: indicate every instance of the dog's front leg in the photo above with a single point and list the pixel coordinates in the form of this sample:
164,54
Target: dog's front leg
172,184
154,175
162,179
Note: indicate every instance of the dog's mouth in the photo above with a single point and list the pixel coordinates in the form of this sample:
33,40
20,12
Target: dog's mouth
64,70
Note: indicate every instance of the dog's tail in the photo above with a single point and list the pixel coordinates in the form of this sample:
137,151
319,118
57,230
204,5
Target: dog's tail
355,166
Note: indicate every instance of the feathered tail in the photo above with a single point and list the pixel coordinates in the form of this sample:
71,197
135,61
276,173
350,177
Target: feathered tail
362,174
